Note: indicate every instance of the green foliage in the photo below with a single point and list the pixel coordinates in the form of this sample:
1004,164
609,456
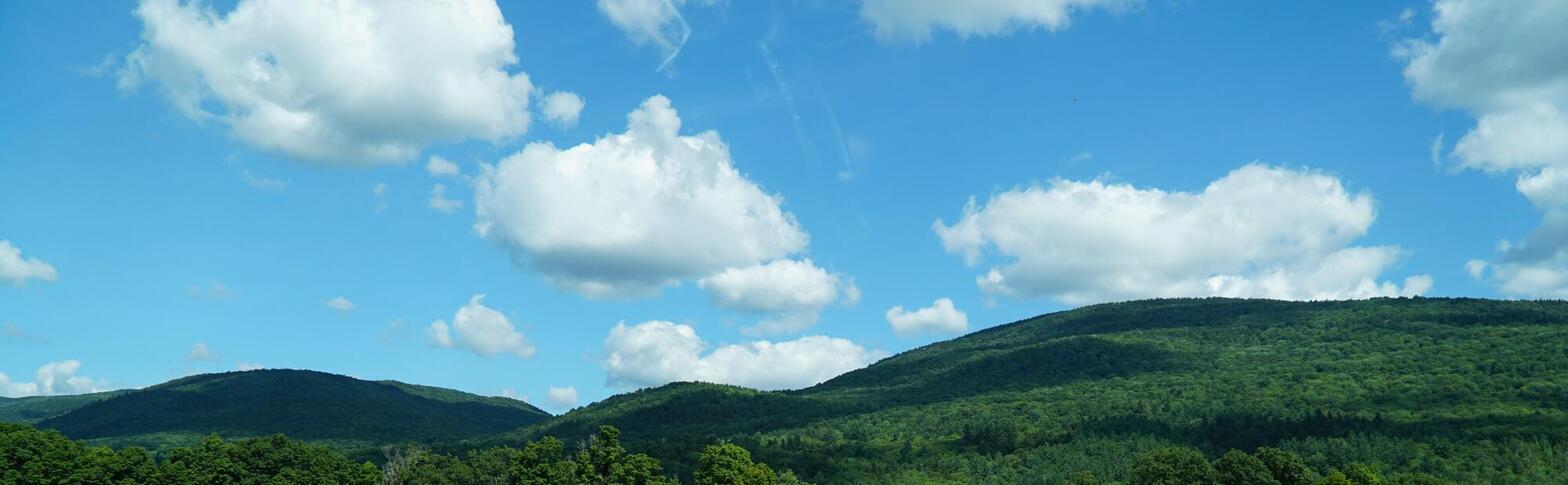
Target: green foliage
1173,466
1286,467
728,464
30,456
1239,468
302,404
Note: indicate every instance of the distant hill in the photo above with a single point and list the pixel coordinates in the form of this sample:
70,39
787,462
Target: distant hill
32,409
1473,391
302,404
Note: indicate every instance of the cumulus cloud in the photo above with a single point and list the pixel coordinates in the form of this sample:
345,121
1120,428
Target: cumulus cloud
1259,231
199,351
653,22
340,304
562,108
17,270
659,352
561,397
54,378
481,330
1501,61
353,81
441,167
914,20
441,203
791,292
941,316
248,366
631,212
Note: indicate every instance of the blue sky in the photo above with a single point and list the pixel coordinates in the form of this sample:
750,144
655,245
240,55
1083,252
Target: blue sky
1123,150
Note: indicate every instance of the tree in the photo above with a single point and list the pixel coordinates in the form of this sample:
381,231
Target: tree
1173,465
1239,468
729,464
1083,478
1334,477
1360,474
1287,467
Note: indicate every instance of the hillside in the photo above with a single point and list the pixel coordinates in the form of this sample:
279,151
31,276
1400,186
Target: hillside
1474,391
33,409
301,404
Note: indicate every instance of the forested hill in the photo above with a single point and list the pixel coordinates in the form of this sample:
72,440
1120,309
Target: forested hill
1473,391
33,409
302,404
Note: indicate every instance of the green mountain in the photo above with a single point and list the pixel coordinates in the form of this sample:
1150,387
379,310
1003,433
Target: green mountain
33,409
302,404
1474,391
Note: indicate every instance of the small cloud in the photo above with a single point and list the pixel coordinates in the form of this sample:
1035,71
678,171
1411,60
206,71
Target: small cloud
213,291
379,192
481,330
441,167
201,352
247,366
562,108
16,270
391,330
941,316
340,304
1081,157
12,332
1476,268
561,398
441,203
270,184
109,65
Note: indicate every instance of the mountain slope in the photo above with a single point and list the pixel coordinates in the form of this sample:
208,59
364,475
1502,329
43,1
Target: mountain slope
1469,390
302,404
32,409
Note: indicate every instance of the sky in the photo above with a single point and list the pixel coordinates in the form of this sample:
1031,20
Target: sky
560,201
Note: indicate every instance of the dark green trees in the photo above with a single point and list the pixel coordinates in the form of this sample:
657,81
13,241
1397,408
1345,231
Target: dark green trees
1239,468
1173,466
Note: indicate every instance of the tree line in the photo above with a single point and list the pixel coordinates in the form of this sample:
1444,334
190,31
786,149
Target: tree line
34,456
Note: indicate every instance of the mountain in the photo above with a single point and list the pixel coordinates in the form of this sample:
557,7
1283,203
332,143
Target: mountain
302,404
33,409
1473,391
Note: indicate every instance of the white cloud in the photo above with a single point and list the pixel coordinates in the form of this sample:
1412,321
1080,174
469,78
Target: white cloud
248,366
337,81
562,108
213,291
440,202
658,352
655,22
482,330
561,398
54,378
791,292
441,167
16,270
201,352
631,212
340,304
1259,231
914,20
941,316
1502,61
